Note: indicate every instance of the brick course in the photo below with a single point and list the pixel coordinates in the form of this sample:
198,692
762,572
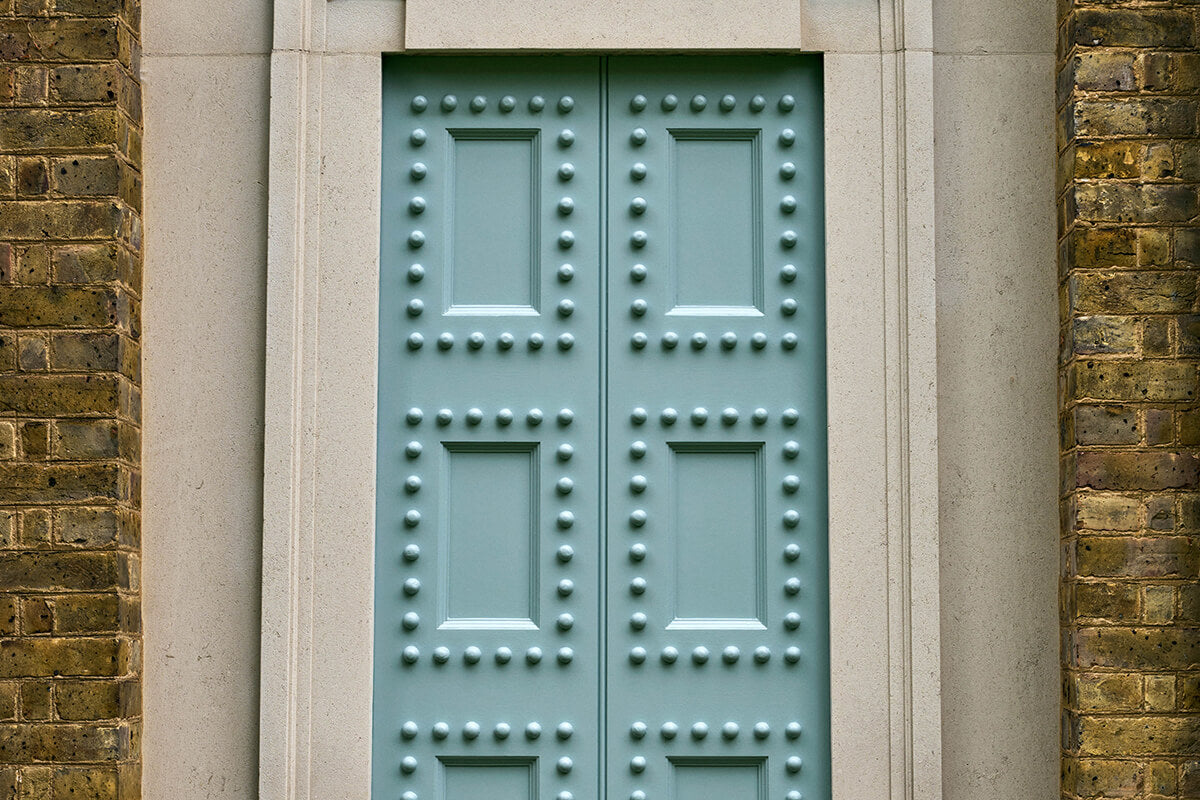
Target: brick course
70,437
1129,163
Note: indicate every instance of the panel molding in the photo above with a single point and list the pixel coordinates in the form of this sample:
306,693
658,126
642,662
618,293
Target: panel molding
320,391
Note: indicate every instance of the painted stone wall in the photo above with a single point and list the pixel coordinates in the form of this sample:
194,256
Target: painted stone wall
70,269
1129,167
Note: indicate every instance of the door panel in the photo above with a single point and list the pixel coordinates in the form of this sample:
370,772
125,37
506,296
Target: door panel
601,564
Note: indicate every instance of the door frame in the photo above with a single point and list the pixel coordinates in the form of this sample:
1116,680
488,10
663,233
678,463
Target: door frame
322,327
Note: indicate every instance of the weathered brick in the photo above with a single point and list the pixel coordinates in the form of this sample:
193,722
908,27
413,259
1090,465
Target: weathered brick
22,744
86,263
1126,471
89,439
1116,202
1102,247
1154,381
1149,648
1132,28
92,527
1105,334
1106,600
1144,557
84,83
49,483
58,40
1136,117
88,614
85,176
60,219
58,395
1106,425
50,657
1140,735
1107,778
1105,71
86,352
1120,159
1133,292
54,570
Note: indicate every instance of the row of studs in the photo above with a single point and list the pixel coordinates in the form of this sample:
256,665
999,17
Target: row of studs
699,102
479,103
760,416
699,340
729,730
471,730
504,417
700,655
477,340
473,655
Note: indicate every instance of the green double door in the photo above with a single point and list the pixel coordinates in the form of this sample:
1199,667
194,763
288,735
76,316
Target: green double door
601,564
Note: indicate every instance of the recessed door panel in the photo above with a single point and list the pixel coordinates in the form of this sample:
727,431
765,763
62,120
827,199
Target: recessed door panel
601,557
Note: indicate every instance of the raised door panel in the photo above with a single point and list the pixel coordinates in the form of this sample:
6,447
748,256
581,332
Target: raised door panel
717,588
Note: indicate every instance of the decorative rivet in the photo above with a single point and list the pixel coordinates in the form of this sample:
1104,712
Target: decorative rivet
419,103
411,621
699,340
449,103
566,171
761,730
787,171
700,655
565,206
416,206
637,764
566,103
476,340
791,449
670,102
565,451
637,272
564,485
699,730
637,621
787,103
759,416
566,553
410,655
507,103
790,340
728,340
638,307
415,273
566,341
638,103
791,620
502,730
668,416
409,730
565,795
730,655
415,307
503,655
478,103
730,730
758,341
792,586
565,587
412,449
791,655
791,552
566,308
412,586
638,416
565,273
699,102
566,240
536,340
415,341
791,483
445,341
793,764
637,449
416,240
793,795
787,137
638,730
565,655
637,552
471,731
472,655
728,102
762,654
412,484
637,655
729,416
638,137
637,519
441,654
669,655
637,206
787,273
638,239
669,340
565,520
506,341
565,622
638,171
699,416
565,417
565,730
537,103
788,204
637,586
758,103
408,765
637,484
564,765
533,730
791,416
566,138
534,417
791,518
533,655
445,417
440,730
788,239
669,730
474,416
